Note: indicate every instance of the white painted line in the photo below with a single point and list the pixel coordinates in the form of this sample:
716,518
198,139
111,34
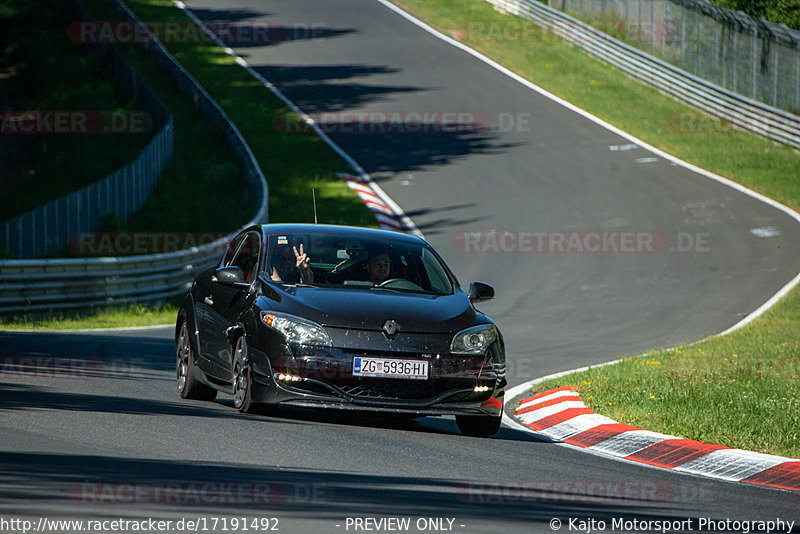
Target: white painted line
623,148
386,220
379,208
630,442
576,425
767,231
546,398
547,411
646,160
363,190
658,152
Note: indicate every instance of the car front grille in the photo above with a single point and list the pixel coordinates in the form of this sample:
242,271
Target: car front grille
397,388
401,389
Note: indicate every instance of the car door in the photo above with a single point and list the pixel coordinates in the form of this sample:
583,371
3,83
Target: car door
206,322
225,303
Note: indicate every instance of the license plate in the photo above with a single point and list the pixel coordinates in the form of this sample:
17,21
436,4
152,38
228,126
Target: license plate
390,368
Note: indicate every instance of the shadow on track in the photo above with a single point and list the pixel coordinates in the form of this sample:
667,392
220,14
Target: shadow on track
93,485
127,355
244,28
25,397
367,419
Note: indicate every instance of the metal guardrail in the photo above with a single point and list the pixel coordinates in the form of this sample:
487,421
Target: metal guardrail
59,284
36,285
120,193
757,117
747,55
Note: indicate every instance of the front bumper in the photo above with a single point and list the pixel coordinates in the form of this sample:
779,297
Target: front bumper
322,377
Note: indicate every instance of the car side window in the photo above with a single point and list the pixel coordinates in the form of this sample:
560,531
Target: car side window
247,255
436,276
227,259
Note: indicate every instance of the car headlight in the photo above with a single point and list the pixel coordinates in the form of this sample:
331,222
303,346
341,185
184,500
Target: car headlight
474,340
297,329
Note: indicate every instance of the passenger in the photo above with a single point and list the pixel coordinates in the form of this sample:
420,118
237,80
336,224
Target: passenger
378,267
292,266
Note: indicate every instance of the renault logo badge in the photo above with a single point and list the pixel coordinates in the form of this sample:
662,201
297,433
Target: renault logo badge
390,328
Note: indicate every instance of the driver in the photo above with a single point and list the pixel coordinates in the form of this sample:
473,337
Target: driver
292,266
378,267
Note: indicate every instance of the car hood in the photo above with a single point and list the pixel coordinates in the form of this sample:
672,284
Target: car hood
369,309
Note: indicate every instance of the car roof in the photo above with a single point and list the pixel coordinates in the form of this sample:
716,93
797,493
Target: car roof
339,230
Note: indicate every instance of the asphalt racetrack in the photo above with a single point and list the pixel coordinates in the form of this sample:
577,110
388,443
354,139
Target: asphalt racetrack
105,436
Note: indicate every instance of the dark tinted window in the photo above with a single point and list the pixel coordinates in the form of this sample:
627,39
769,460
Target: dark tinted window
247,255
357,263
231,251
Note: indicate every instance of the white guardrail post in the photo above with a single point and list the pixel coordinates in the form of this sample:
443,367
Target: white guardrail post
61,284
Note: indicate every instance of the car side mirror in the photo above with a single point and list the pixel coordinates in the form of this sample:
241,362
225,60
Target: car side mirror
230,276
480,292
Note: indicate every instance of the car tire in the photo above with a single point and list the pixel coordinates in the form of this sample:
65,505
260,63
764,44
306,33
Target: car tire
242,384
480,426
189,385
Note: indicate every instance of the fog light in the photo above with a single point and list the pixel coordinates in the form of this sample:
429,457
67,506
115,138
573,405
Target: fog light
481,389
288,378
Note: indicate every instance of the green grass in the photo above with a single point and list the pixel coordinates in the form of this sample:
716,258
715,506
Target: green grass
37,168
738,390
120,317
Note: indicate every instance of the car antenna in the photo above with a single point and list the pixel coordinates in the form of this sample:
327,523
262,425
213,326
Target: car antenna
314,200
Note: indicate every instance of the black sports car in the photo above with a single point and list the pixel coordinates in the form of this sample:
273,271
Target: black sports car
341,317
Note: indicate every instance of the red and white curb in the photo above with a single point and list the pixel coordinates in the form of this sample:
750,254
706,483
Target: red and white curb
388,217
560,415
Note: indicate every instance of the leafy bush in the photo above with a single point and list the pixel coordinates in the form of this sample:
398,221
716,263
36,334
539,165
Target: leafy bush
779,11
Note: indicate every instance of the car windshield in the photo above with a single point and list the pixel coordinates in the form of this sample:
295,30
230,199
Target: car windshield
355,263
